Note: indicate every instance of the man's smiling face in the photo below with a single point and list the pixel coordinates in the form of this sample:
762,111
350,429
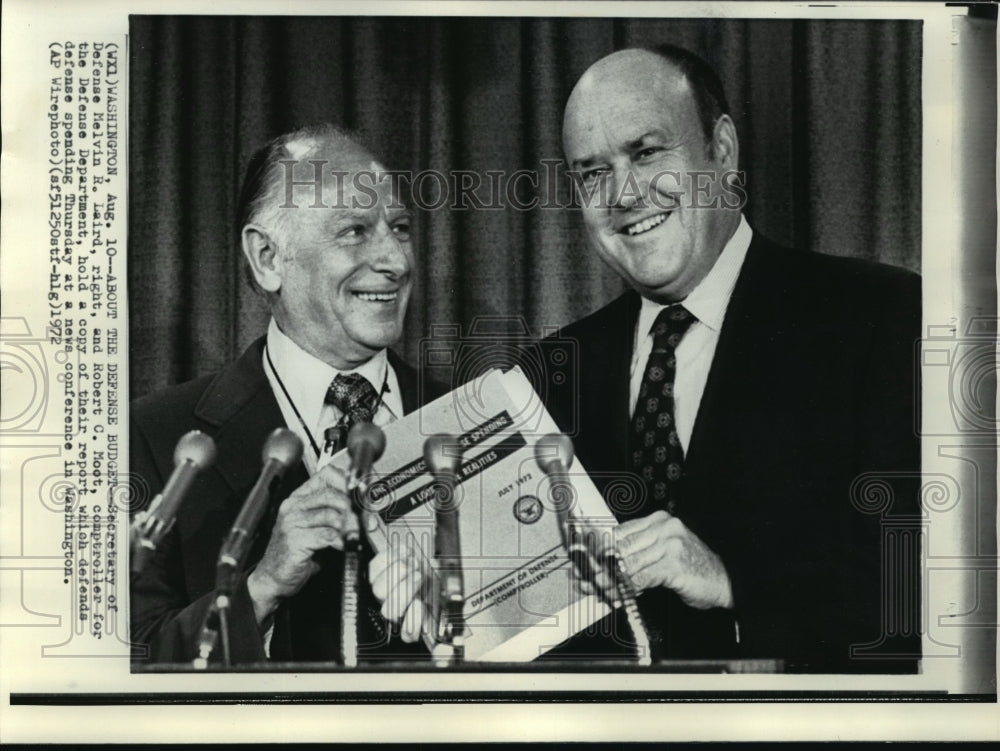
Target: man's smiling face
346,273
632,131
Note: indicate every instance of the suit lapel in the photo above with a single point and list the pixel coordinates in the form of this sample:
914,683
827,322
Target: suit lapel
751,314
416,387
604,385
409,386
619,375
240,402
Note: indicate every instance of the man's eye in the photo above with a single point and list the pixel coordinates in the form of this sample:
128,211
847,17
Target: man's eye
354,231
401,230
647,152
596,173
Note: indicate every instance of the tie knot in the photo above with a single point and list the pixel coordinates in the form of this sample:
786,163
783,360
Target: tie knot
353,395
669,327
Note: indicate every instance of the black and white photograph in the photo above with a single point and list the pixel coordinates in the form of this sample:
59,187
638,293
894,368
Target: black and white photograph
514,353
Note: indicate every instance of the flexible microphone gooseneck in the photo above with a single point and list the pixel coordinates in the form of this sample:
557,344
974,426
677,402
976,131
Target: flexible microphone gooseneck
443,456
195,452
554,455
365,445
282,449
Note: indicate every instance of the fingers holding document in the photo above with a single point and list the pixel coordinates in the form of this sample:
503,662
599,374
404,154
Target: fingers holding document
398,580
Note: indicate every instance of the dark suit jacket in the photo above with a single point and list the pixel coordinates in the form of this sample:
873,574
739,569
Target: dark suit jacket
812,386
172,594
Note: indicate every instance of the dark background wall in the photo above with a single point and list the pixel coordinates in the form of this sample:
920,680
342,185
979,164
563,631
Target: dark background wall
828,113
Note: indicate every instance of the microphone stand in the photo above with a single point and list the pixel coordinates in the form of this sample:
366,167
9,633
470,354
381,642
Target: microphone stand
626,594
214,629
443,460
365,444
451,605
613,566
281,449
554,455
208,637
349,593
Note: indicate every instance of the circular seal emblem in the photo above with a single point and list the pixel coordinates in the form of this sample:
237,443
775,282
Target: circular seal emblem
528,509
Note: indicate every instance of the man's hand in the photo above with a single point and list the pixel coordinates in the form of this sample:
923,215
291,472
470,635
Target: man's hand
397,580
315,516
659,551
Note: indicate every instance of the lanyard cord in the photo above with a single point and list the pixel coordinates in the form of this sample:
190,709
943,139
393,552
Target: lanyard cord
315,446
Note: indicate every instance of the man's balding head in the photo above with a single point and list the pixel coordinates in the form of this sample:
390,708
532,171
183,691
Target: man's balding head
328,243
288,158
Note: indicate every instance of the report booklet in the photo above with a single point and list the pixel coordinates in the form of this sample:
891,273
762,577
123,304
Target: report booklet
521,599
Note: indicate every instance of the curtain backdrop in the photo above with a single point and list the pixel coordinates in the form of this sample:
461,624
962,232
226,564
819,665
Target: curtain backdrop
828,114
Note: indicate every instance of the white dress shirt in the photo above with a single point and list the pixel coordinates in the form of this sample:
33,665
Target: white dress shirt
306,379
707,302
300,382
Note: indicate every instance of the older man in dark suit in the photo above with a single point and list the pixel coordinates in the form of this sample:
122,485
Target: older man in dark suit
335,264
749,392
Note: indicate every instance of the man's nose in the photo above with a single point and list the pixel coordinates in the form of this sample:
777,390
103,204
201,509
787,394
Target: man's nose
624,188
387,253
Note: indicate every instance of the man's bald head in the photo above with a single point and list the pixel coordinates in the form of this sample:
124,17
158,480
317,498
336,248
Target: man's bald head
653,152
664,65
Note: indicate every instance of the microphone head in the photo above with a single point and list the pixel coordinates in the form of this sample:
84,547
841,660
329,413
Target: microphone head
365,434
443,453
195,447
552,450
282,446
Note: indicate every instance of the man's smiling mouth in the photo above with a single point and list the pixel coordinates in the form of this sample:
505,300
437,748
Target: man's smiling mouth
378,296
646,224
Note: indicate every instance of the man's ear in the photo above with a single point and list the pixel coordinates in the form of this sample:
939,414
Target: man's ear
262,254
725,144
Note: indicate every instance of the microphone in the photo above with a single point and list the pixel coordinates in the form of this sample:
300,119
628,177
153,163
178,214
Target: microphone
554,456
282,449
365,445
443,456
554,453
195,451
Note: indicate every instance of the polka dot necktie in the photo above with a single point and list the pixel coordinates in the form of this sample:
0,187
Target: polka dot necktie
656,452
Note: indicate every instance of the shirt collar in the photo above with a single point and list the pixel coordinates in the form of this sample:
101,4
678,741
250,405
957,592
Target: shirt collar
307,378
709,300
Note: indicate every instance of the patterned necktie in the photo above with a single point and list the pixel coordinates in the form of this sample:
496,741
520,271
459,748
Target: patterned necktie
657,455
353,395
357,400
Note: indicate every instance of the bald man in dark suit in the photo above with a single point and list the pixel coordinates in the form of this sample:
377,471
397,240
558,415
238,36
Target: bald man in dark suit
746,393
